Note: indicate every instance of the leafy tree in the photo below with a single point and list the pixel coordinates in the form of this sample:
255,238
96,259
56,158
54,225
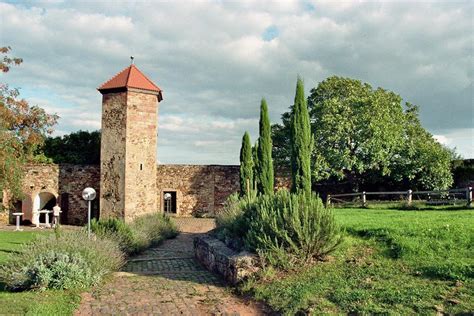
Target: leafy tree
422,161
246,165
264,175
363,134
301,143
81,147
23,129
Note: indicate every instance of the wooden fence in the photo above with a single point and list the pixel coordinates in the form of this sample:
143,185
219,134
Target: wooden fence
465,193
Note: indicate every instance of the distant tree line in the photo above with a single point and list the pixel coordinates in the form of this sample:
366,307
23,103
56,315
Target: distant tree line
81,147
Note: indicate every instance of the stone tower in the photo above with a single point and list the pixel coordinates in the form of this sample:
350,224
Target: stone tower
128,145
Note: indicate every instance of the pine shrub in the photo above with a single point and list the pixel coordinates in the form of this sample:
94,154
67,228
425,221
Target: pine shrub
290,230
231,223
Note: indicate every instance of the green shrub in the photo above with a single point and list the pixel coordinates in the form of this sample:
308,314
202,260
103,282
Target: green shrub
66,260
231,221
151,229
145,231
116,229
291,229
55,270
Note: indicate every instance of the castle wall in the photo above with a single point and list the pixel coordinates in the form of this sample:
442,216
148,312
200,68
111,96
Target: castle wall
66,183
199,188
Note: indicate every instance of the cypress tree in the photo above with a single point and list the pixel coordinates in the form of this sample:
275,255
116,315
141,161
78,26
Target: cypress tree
264,153
255,165
301,143
246,165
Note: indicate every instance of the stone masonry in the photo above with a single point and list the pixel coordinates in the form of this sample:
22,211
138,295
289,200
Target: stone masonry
112,151
142,129
199,188
65,182
128,145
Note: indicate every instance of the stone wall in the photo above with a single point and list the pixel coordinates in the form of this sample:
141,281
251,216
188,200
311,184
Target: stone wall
66,183
199,189
217,257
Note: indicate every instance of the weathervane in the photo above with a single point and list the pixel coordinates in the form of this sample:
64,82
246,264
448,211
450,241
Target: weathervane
132,58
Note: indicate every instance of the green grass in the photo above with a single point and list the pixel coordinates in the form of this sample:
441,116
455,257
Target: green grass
392,262
32,303
11,241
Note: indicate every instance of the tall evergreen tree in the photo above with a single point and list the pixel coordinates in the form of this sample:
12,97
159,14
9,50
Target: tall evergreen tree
246,165
255,164
264,174
301,143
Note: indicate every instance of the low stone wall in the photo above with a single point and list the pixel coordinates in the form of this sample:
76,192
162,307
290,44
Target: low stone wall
217,257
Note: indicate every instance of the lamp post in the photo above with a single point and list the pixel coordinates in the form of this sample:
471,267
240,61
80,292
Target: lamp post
88,194
168,202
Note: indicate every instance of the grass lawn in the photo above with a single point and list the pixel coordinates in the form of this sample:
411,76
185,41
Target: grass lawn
30,302
392,262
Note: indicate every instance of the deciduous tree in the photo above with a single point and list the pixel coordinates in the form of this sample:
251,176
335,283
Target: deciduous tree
22,131
361,131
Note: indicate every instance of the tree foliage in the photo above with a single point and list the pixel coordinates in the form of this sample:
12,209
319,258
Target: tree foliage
265,177
23,129
363,134
246,165
81,147
301,143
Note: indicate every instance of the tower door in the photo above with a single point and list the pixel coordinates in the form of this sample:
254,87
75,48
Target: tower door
169,202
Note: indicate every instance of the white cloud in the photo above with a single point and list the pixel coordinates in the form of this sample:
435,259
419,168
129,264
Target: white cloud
213,64
442,139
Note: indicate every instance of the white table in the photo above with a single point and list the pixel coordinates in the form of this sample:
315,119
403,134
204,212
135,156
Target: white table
46,221
18,214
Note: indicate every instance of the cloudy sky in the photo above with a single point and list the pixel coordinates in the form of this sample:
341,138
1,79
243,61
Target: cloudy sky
216,59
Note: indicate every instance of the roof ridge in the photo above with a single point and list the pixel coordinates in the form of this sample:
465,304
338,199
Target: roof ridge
115,76
144,76
129,72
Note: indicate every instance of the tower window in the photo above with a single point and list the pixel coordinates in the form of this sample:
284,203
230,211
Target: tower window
141,166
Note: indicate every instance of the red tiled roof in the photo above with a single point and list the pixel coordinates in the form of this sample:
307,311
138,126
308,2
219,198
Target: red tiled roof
130,77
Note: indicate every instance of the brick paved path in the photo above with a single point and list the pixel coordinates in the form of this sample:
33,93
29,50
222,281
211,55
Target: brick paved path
166,280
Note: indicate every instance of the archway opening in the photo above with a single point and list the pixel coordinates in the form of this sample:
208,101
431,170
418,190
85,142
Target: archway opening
45,201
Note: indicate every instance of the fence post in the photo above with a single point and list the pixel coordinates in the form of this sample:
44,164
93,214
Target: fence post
409,197
469,196
364,200
328,200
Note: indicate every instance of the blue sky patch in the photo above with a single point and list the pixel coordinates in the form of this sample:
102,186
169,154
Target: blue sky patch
270,33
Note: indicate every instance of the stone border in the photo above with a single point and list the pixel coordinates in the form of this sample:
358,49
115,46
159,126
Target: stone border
215,256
